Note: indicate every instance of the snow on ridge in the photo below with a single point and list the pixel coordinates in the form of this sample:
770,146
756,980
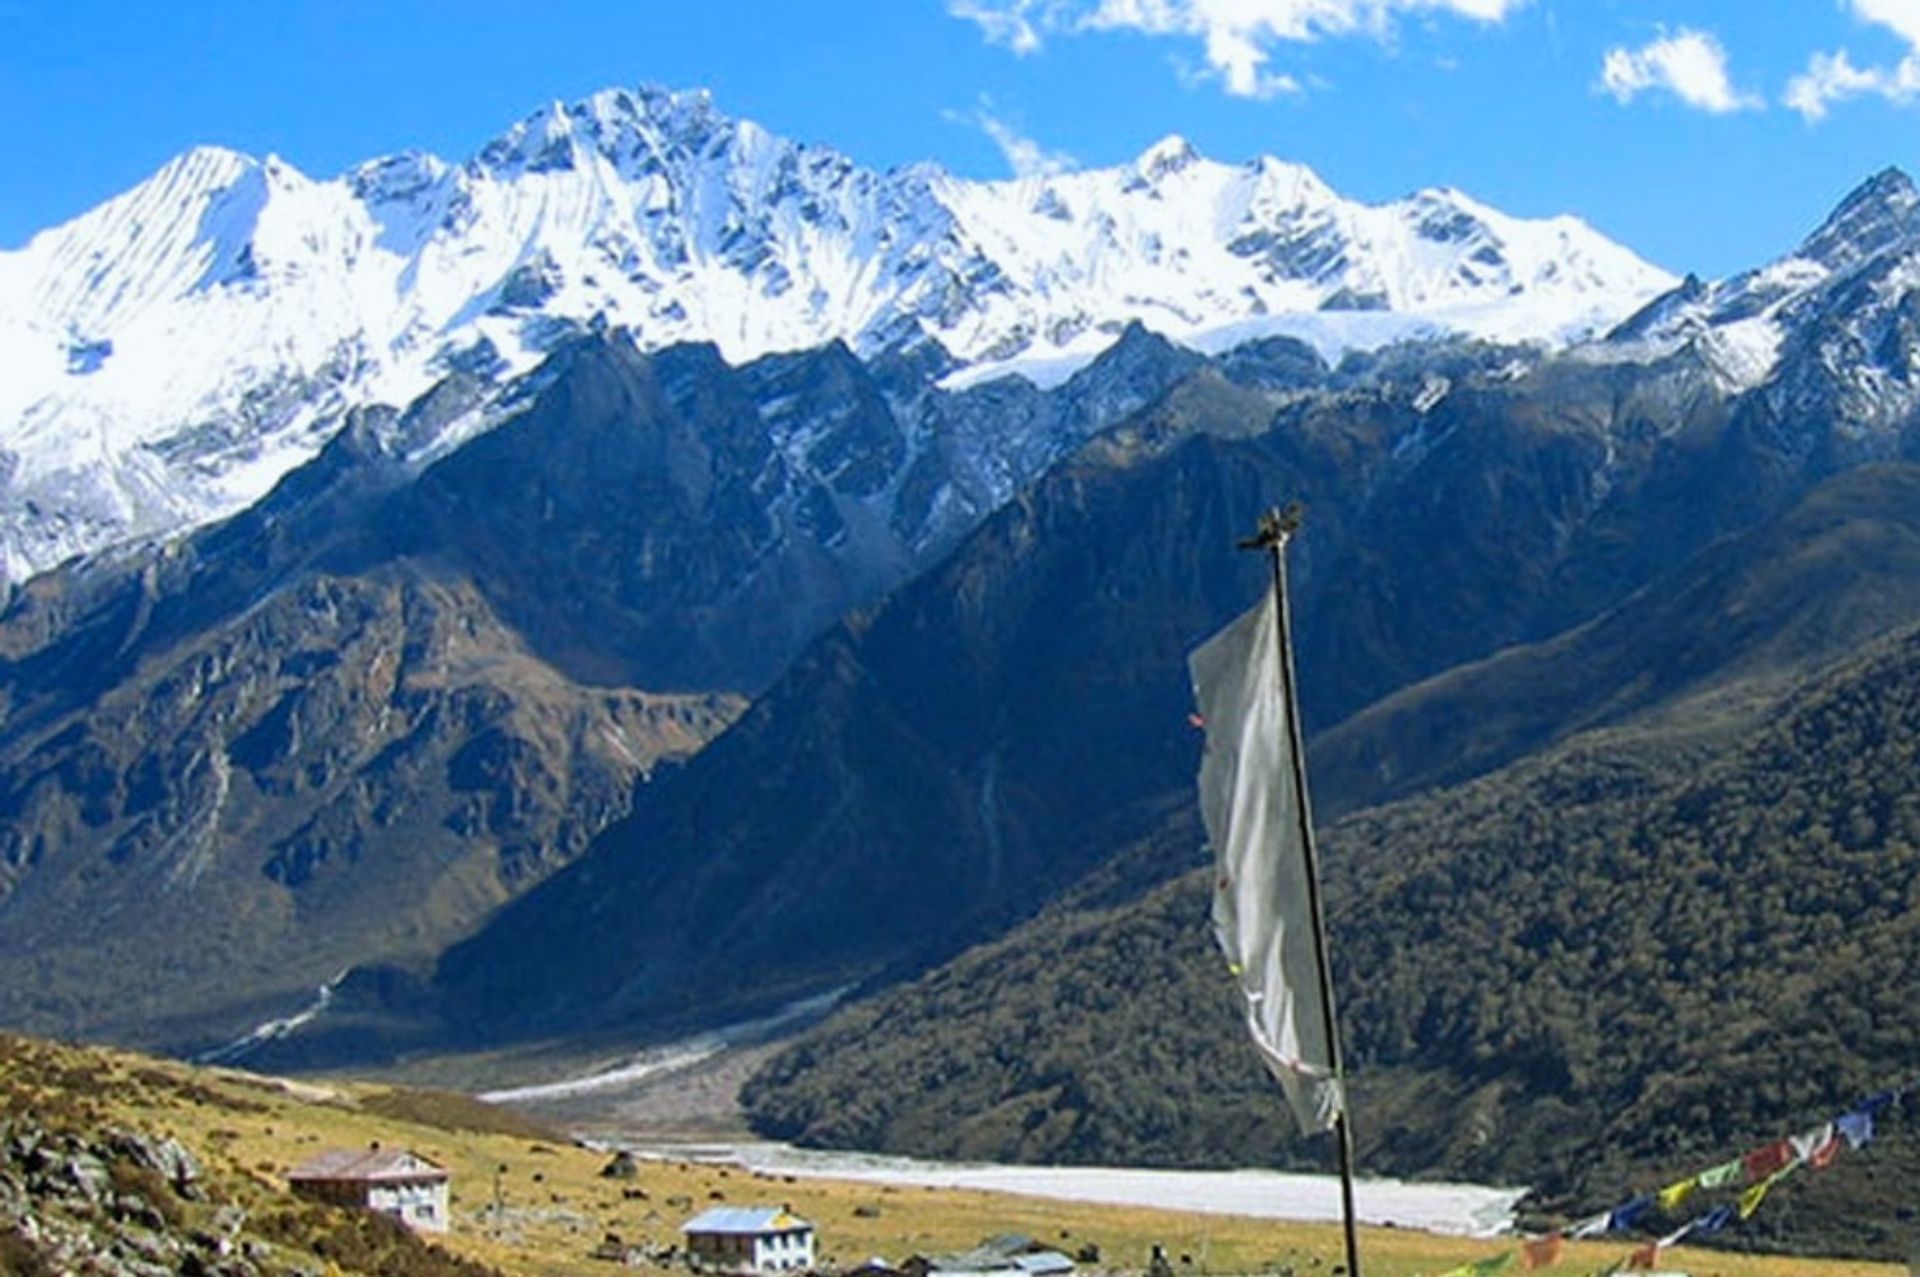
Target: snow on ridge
174,350
1742,326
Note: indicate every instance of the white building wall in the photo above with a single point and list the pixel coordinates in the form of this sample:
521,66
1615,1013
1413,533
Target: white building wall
783,1252
422,1206
786,1252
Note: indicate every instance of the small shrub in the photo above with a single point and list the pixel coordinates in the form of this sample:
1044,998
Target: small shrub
130,1180
20,1258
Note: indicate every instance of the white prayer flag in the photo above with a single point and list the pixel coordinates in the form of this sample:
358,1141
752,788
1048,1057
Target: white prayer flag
1262,915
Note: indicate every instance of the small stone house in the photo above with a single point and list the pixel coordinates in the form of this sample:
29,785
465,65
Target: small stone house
394,1182
1009,1255
749,1240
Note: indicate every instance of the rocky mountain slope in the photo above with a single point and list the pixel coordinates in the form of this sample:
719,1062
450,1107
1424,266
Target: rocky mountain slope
341,727
348,724
90,1184
1750,613
237,767
941,766
176,350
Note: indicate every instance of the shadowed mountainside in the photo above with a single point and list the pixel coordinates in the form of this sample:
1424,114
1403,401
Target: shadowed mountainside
342,727
1594,971
937,768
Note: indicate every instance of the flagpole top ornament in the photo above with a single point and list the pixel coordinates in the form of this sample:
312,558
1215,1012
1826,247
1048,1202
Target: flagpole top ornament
1276,526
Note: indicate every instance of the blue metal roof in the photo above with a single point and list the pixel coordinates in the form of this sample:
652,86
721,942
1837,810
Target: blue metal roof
744,1219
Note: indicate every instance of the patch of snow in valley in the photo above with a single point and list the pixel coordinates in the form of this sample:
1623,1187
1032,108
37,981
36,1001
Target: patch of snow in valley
645,1065
273,1030
673,1057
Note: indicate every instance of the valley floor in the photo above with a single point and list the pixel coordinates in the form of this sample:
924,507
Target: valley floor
528,1201
677,1106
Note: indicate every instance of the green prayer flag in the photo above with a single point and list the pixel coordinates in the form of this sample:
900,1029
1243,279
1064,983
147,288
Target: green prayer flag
1722,1175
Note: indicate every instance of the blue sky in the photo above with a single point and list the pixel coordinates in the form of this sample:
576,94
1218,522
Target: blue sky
1709,135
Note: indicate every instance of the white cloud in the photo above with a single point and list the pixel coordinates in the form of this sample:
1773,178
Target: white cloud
1832,77
1008,22
1689,64
1026,157
1902,17
1237,37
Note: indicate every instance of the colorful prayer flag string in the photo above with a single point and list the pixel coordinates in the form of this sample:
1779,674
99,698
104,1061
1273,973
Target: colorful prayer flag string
1758,1171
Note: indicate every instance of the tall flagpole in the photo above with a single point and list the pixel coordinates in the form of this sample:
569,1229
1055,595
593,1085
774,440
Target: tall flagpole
1276,528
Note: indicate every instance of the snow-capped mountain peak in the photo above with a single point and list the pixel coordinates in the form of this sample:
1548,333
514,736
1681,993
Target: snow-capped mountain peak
1170,154
1883,212
1854,272
173,351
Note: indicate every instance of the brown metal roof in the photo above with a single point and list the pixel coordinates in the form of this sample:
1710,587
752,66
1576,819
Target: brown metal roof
367,1164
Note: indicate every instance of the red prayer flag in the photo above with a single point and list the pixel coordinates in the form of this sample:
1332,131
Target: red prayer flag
1646,1259
1543,1252
1767,1159
1824,1155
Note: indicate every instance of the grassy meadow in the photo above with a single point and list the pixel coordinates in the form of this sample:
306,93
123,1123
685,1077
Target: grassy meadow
555,1206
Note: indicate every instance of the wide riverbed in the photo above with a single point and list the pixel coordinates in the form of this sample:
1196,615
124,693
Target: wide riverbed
1468,1209
608,1104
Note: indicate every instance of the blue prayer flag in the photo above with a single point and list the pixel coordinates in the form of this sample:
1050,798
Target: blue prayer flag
1713,1221
1857,1126
1625,1216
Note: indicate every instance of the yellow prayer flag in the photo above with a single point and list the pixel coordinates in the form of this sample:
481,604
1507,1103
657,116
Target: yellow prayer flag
1751,1199
1673,1196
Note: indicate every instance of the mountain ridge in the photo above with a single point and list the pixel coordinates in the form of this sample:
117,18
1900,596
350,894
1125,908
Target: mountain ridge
618,525
1462,503
404,686
209,328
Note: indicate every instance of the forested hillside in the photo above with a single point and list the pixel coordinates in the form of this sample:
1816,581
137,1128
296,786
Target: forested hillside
1589,972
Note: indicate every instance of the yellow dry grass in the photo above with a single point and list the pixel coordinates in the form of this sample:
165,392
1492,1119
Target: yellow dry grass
557,1206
